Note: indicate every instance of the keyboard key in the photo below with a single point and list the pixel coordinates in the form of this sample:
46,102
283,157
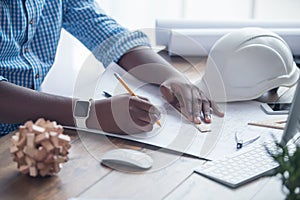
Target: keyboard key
240,167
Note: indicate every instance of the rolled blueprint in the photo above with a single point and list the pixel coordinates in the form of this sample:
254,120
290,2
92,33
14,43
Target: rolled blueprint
195,38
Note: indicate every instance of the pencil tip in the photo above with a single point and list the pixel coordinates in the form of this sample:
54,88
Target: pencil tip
158,122
117,75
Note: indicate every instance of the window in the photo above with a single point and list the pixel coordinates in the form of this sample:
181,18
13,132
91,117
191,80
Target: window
137,14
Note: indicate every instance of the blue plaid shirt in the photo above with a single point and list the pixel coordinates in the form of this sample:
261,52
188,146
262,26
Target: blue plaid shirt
30,31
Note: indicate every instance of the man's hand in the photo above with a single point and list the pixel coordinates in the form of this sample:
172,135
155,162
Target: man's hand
123,114
150,67
189,100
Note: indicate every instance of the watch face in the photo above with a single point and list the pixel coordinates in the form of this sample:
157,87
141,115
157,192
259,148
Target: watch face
81,108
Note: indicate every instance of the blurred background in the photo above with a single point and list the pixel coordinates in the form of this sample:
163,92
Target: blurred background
141,14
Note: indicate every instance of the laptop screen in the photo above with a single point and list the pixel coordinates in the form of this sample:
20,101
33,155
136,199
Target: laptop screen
292,127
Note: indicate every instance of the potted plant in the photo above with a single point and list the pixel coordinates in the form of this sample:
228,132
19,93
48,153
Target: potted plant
288,170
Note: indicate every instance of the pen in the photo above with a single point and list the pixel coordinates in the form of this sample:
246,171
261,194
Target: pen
129,90
106,94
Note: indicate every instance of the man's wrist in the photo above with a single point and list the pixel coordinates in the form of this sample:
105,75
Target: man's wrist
81,112
148,66
93,121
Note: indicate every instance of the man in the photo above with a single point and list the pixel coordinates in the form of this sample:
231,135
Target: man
29,34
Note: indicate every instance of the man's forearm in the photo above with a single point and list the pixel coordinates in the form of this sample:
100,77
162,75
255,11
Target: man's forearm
19,104
147,65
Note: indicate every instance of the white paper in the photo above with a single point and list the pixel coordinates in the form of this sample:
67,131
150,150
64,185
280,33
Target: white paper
180,135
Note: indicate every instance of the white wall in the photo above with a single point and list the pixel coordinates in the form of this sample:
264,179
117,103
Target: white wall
277,9
141,14
218,10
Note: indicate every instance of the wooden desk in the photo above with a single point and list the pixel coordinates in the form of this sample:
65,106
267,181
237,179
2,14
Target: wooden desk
82,176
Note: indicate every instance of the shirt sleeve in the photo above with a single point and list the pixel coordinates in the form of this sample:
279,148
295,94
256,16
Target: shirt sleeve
100,33
2,78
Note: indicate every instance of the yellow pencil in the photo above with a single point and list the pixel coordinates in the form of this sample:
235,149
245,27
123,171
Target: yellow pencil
129,90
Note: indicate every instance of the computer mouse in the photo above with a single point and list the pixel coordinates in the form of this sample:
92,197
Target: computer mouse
126,159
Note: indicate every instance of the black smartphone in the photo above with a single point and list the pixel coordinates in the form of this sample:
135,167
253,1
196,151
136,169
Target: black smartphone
276,108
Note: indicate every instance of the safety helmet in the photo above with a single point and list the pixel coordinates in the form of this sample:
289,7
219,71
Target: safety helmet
246,63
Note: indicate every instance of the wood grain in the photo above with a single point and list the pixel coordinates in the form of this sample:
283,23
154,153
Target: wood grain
152,184
79,173
198,187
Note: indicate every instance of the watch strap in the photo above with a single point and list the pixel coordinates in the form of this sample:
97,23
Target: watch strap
80,122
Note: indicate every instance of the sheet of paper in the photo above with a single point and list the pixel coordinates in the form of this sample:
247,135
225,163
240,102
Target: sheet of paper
176,132
180,135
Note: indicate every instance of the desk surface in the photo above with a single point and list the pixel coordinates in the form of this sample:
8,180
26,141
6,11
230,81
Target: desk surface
83,176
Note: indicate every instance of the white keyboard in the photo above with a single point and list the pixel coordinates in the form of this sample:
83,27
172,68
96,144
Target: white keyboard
240,167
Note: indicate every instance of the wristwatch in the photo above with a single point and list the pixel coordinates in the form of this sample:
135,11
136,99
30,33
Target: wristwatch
81,112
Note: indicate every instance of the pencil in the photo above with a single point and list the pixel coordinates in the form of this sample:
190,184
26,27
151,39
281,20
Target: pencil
129,90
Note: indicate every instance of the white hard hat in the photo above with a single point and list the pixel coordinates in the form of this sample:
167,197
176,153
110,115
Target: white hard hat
244,64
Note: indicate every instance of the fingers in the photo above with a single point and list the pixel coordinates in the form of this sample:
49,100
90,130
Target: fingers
216,109
143,113
191,106
197,106
126,114
181,98
205,108
169,96
144,120
200,104
144,98
143,105
190,101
